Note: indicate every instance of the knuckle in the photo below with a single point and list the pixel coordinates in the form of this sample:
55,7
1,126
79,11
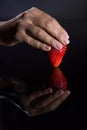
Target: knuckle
18,36
49,22
43,46
31,41
24,15
40,46
19,28
53,20
34,8
19,24
52,42
38,32
60,35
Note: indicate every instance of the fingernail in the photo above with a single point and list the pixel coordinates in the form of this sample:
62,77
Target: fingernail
60,92
66,41
49,90
47,48
59,46
67,92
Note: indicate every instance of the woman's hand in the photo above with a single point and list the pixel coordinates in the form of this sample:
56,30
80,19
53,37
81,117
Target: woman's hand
36,28
43,101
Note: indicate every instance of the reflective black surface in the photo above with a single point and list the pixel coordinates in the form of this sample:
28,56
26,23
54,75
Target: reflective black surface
32,66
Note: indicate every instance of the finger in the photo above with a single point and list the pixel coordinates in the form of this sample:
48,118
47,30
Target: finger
26,100
58,101
35,43
48,99
43,36
52,106
56,31
53,29
61,28
38,11
61,36
40,93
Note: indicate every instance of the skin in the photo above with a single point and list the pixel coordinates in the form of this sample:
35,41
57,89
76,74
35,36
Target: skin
41,102
34,27
42,31
37,102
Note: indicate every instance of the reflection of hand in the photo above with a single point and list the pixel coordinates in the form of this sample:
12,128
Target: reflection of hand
37,102
36,28
10,85
41,102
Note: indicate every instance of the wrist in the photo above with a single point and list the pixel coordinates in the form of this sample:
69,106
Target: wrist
7,33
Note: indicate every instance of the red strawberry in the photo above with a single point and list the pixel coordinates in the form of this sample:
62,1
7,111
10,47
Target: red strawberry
58,80
56,56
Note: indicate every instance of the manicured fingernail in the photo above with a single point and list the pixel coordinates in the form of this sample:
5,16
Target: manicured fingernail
60,92
67,92
48,48
49,90
59,46
66,41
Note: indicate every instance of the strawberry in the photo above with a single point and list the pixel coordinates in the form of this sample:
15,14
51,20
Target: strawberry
56,56
58,80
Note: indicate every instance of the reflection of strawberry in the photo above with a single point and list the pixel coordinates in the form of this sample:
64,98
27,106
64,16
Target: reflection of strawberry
56,56
58,80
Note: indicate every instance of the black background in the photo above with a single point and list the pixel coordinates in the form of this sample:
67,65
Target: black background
27,63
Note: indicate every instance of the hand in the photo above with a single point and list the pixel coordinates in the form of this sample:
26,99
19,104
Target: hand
12,86
35,103
41,102
36,28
